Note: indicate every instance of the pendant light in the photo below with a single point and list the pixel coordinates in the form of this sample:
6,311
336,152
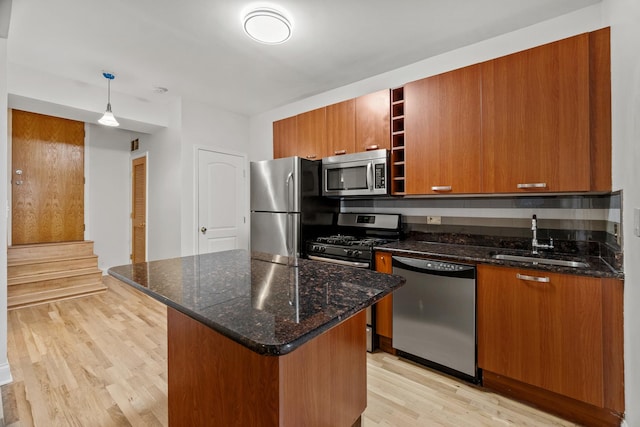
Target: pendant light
108,119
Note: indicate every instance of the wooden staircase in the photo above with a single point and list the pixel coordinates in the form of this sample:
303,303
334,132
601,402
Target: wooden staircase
46,272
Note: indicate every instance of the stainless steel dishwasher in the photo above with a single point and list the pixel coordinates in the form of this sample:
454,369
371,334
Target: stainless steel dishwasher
434,315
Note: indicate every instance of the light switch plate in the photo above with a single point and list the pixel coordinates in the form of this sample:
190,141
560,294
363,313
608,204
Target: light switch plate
636,221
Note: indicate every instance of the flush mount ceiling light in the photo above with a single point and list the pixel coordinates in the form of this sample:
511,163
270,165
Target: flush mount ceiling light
267,25
108,119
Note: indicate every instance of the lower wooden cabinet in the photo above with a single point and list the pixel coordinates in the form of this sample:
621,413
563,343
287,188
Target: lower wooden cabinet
555,332
384,307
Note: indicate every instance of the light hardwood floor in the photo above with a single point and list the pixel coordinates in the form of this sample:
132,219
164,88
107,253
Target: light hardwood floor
101,361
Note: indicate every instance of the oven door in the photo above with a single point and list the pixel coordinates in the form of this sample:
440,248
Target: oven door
370,328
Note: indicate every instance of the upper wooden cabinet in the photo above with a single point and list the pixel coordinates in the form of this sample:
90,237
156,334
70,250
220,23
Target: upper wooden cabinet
285,137
311,134
442,132
341,128
535,119
347,127
557,332
372,121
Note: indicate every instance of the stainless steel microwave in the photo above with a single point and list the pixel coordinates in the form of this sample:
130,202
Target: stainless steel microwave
358,174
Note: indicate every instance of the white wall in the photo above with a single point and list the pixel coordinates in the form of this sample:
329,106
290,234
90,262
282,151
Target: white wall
624,16
587,19
5,373
204,126
108,193
164,196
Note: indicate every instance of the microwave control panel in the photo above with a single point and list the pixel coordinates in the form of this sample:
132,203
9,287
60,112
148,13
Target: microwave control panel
380,177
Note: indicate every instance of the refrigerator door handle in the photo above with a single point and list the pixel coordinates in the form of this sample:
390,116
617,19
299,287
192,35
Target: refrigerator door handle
289,234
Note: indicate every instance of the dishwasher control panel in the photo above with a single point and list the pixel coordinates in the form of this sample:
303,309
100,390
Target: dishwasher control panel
433,265
444,266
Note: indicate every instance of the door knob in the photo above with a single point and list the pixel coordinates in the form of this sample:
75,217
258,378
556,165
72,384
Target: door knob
203,229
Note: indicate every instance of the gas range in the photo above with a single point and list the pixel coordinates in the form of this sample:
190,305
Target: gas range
356,236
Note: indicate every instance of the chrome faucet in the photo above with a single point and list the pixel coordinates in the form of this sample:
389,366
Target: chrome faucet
534,242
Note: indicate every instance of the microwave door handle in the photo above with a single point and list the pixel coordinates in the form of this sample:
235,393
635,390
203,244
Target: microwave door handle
370,176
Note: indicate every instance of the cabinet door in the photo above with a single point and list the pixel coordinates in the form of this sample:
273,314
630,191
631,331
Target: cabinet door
442,122
341,128
535,119
312,134
284,137
384,307
545,333
372,121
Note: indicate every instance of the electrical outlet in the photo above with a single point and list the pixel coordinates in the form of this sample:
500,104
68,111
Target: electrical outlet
434,220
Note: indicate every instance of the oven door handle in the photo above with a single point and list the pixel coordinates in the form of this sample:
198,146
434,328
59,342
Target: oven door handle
341,262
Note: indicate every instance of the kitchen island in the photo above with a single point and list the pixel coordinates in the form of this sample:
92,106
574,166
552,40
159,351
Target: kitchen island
252,342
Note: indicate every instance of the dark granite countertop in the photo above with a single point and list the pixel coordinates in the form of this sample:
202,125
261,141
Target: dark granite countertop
598,266
269,308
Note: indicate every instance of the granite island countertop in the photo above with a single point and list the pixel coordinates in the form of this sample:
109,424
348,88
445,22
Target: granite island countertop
269,308
475,254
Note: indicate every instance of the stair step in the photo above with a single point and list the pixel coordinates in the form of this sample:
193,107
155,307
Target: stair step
51,295
46,265
20,253
54,276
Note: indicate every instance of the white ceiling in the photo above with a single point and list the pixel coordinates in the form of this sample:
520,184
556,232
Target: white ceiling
197,49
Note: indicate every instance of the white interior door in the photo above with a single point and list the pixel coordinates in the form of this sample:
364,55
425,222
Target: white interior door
221,202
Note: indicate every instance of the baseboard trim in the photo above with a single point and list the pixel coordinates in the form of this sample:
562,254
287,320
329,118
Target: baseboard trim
5,374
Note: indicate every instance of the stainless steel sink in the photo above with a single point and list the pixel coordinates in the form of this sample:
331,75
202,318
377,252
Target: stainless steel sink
535,260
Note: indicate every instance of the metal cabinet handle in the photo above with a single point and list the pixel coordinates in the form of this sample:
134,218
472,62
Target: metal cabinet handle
371,147
441,188
532,278
311,156
203,230
339,152
533,185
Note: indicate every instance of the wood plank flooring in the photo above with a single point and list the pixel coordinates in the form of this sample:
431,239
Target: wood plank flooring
101,361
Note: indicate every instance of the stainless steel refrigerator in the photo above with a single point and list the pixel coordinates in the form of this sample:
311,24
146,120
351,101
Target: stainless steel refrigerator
286,206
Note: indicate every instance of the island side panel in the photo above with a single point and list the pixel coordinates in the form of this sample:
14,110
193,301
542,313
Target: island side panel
324,382
216,381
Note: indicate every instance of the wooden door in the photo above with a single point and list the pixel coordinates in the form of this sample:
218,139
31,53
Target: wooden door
312,134
372,121
285,137
47,179
139,210
341,128
546,334
222,199
535,119
442,128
